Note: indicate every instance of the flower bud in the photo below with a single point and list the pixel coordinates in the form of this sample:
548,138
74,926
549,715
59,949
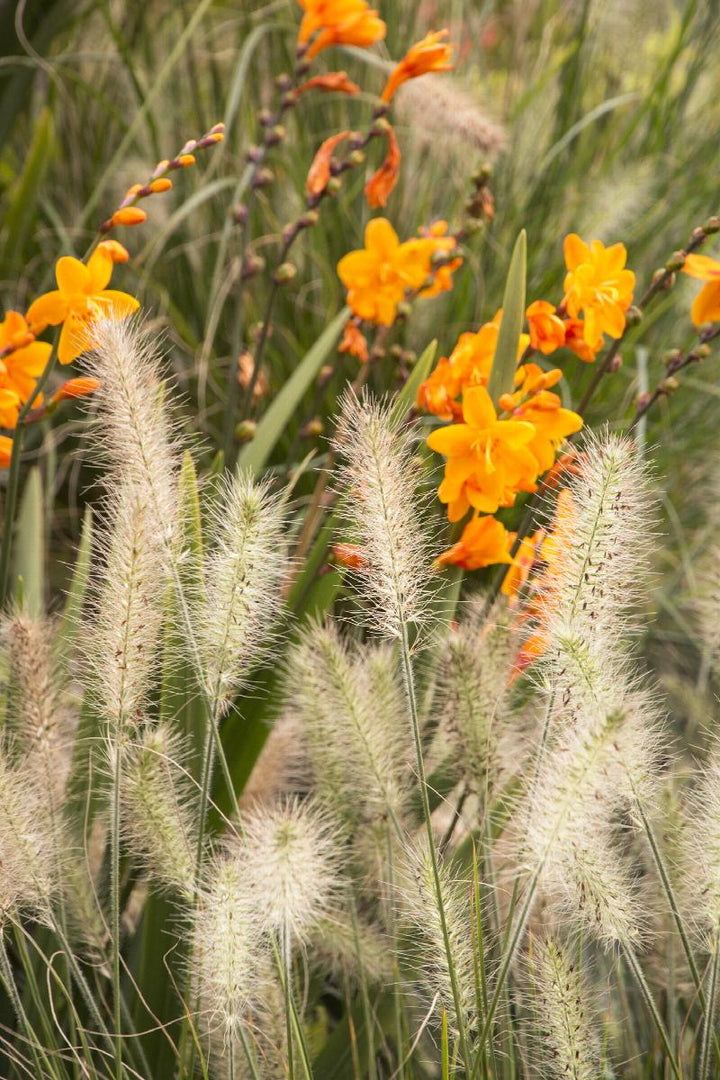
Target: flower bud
676,261
275,135
129,215
325,375
403,309
658,275
409,357
312,429
265,117
380,126
333,185
240,214
245,431
163,183
289,100
669,385
255,154
671,357
633,316
284,273
642,401
185,160
482,176
712,225
283,81
252,264
702,351
615,364
308,219
356,157
669,283
395,351
263,177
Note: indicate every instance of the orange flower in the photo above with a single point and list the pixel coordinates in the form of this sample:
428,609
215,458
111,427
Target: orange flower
334,81
597,284
6,446
484,541
378,275
353,342
430,54
23,363
575,340
82,295
117,251
319,172
348,555
706,306
525,558
439,241
536,404
9,408
469,364
488,459
129,215
75,388
340,22
382,182
547,330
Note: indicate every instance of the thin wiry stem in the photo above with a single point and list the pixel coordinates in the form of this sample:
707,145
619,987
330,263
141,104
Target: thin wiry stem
634,966
709,1025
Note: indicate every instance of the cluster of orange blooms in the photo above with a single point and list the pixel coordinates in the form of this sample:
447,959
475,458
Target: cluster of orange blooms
495,450
82,295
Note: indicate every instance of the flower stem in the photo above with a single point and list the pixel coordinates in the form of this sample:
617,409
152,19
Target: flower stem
709,1024
634,966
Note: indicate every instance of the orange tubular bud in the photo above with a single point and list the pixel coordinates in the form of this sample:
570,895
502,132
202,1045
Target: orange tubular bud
133,190
186,159
163,183
117,252
129,215
347,555
319,172
354,342
432,54
336,81
76,388
382,182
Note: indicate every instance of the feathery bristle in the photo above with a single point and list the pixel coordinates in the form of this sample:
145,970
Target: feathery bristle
381,481
123,641
290,857
435,109
226,957
41,724
157,809
418,907
352,948
569,1046
28,844
701,856
243,576
352,724
472,684
135,435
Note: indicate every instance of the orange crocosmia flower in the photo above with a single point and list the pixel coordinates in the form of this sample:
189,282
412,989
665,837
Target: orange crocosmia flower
117,251
319,172
382,182
597,284
337,81
575,340
339,22
484,542
552,426
9,408
525,558
354,342
547,330
438,240
706,306
488,459
25,359
81,297
76,388
378,275
6,446
432,54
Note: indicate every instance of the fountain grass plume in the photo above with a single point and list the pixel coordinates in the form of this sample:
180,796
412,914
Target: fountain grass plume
381,479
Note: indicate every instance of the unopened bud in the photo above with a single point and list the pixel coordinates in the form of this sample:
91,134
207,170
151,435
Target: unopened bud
283,81
670,282
395,351
275,135
312,429
409,357
185,160
263,177
356,157
245,431
265,118
472,226
702,351
676,261
380,126
633,316
285,272
482,176
289,100
712,225
697,237
671,357
308,219
642,401
240,214
669,385
325,375
252,265
255,154
333,185
615,364
658,275
403,309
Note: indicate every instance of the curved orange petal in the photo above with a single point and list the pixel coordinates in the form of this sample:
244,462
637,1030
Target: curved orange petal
478,409
74,339
575,251
72,276
706,307
701,266
48,310
455,440
381,238
100,268
118,304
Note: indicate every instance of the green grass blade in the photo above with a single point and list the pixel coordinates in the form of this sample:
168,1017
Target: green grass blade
506,350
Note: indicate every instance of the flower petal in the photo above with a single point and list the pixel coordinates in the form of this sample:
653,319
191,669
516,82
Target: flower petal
48,310
72,276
